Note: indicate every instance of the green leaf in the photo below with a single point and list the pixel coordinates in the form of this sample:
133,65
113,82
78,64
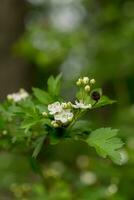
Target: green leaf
80,127
103,102
42,96
106,144
38,145
54,85
2,123
45,121
28,123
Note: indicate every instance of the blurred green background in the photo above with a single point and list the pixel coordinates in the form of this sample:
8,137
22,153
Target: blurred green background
73,37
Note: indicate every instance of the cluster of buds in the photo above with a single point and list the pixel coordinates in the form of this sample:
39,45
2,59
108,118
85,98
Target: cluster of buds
16,97
86,82
64,112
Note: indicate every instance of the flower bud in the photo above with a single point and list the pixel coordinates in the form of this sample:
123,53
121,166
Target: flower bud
69,104
85,80
79,82
54,124
65,105
45,114
70,119
87,88
92,81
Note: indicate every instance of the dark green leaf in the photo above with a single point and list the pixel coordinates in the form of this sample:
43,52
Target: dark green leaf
103,102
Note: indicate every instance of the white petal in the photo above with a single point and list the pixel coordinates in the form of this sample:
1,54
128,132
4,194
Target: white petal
81,105
55,108
64,116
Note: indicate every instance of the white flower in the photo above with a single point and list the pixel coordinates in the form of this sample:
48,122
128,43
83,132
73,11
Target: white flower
61,112
55,108
16,97
64,117
81,105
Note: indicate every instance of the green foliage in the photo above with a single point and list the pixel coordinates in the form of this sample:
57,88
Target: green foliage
54,86
100,44
38,118
42,96
106,143
38,145
40,123
104,101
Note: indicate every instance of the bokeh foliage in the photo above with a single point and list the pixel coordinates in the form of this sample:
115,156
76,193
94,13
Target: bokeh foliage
78,37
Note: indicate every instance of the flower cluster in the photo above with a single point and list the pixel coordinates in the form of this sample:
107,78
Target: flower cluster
16,97
63,113
43,119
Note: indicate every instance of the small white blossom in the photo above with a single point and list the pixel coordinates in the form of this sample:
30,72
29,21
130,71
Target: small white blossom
16,97
61,112
55,108
64,117
82,105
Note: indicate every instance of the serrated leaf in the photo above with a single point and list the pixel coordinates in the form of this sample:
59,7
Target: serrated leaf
103,102
38,145
54,85
106,143
28,123
42,96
